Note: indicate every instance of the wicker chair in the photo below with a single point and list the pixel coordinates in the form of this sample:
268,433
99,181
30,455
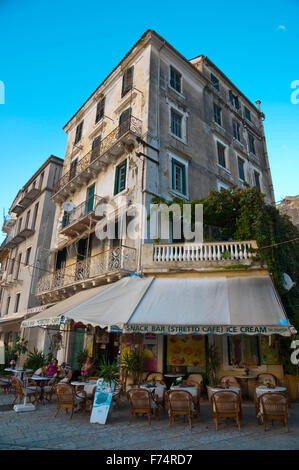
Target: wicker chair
49,389
273,406
159,376
141,402
20,391
5,383
226,404
196,400
269,377
233,381
196,377
66,398
181,404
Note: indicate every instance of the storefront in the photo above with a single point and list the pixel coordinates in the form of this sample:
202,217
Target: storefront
175,318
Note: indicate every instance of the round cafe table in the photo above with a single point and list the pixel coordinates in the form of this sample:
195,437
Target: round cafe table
246,378
156,390
42,382
18,372
186,388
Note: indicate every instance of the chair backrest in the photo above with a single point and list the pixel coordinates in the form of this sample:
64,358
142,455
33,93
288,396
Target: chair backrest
233,381
269,377
65,394
139,398
273,403
226,401
179,400
17,385
196,377
150,375
158,381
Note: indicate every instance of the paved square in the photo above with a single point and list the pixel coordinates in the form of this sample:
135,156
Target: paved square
41,430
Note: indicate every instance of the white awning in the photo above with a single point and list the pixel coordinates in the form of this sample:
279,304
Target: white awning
212,305
190,305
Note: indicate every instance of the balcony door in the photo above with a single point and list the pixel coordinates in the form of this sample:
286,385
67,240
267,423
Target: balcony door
73,168
90,198
58,279
83,261
124,122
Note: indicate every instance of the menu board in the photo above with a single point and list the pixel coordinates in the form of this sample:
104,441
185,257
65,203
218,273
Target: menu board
186,351
102,402
269,352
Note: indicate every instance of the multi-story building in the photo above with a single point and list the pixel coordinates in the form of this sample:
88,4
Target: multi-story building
22,254
159,124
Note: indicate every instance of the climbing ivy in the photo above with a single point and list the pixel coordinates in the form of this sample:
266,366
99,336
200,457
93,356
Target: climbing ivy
242,214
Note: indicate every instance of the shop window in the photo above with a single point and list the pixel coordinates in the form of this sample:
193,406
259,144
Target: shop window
243,351
185,351
269,352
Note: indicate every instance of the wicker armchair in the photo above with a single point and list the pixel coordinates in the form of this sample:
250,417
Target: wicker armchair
273,406
233,381
49,389
181,404
269,377
5,383
196,377
141,402
226,404
20,391
66,398
159,377
196,400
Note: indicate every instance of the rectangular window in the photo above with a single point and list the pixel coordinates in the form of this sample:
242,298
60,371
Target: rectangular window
78,132
221,154
175,79
127,84
217,114
243,351
120,177
178,177
7,305
18,265
176,123
95,148
100,109
215,82
241,169
73,169
19,225
41,180
12,265
17,302
234,100
247,114
251,144
257,180
27,219
34,216
236,129
28,252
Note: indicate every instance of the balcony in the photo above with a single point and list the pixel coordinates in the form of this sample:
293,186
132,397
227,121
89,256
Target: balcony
81,218
99,269
20,237
198,256
113,145
25,201
8,225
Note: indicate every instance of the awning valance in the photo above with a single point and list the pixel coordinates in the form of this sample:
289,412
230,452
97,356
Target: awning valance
172,305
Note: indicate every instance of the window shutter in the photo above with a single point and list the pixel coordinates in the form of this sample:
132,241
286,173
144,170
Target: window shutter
173,174
116,180
100,109
184,179
125,176
127,81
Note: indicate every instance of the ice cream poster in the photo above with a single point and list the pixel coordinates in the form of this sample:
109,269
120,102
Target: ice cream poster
102,402
186,351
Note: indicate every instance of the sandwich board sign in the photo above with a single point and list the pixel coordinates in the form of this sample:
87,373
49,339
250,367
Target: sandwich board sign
102,402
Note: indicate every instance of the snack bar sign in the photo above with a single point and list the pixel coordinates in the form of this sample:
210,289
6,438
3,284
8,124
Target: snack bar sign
208,329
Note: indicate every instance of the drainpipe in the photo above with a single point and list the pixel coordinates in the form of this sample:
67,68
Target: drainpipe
261,119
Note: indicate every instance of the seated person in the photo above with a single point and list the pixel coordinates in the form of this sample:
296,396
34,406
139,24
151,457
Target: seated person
88,368
52,368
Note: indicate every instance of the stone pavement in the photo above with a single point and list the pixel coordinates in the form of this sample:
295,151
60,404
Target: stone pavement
40,430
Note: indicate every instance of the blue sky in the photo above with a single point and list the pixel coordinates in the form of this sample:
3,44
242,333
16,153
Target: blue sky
55,53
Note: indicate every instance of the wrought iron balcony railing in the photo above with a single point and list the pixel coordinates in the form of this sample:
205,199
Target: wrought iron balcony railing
131,125
80,213
121,258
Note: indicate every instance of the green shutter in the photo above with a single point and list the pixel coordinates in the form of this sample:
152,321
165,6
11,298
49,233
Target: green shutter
184,179
116,180
173,174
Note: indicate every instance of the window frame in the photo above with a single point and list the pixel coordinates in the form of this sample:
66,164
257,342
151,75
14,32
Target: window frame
257,173
172,86
215,82
78,135
27,257
183,164
17,302
247,114
219,145
173,111
127,83
100,110
251,144
117,187
236,130
217,114
240,160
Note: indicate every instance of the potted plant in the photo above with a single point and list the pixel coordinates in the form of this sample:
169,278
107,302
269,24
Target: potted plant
109,371
133,361
35,360
212,364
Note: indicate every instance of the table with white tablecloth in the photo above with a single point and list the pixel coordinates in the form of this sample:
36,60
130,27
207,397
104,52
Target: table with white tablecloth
185,388
157,390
